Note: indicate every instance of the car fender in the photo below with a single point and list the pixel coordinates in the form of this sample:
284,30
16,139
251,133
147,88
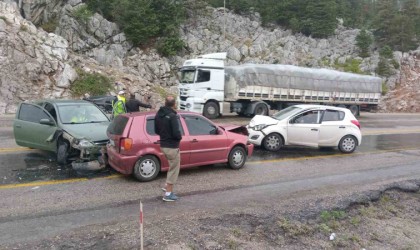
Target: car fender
281,130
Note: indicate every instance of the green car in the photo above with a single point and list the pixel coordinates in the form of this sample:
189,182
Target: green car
73,129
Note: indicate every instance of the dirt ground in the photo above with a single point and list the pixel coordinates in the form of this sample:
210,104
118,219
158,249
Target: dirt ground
391,220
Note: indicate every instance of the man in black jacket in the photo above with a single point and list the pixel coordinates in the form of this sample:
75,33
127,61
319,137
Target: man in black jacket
132,105
167,127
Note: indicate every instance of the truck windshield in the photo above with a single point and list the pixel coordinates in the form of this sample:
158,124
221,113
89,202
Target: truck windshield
187,76
284,113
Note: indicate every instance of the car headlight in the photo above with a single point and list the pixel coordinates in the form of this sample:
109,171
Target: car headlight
85,144
260,127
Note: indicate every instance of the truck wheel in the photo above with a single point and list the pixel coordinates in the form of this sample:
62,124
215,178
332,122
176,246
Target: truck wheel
272,142
146,168
211,110
354,110
62,153
261,109
347,144
237,157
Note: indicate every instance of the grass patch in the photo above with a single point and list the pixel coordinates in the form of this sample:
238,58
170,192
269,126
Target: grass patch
50,26
161,91
23,28
294,229
91,83
327,216
236,232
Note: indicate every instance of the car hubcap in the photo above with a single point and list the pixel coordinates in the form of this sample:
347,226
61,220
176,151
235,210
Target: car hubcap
147,168
272,142
237,157
348,144
211,110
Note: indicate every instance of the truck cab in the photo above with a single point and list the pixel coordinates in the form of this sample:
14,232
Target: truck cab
201,85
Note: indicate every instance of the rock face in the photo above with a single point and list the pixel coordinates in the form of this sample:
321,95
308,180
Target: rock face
32,62
35,64
405,97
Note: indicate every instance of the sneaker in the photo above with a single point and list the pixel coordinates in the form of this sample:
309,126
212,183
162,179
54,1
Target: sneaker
171,197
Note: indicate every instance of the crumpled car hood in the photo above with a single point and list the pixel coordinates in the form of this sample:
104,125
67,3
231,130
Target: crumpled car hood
262,119
234,128
90,131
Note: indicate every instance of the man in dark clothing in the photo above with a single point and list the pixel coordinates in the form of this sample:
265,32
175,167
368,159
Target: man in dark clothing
133,105
167,127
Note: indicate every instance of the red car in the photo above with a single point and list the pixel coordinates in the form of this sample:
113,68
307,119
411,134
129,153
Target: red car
133,146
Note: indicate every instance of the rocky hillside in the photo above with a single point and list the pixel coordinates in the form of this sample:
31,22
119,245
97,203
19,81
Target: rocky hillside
36,64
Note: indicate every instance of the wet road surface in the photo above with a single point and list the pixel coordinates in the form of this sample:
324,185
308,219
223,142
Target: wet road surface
20,165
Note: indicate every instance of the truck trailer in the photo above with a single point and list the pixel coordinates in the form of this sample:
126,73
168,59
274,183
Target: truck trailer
208,87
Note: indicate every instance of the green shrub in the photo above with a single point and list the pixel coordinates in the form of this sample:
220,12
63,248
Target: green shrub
383,68
170,45
82,13
395,64
364,41
351,65
91,83
386,52
384,88
145,21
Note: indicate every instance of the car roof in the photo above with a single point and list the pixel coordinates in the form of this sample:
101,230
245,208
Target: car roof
306,106
145,113
60,102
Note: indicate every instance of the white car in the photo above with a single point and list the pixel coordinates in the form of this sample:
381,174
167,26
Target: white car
307,125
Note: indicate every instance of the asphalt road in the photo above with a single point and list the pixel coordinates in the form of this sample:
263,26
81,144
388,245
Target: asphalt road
40,201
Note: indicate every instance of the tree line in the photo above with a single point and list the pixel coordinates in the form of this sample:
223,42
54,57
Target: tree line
393,23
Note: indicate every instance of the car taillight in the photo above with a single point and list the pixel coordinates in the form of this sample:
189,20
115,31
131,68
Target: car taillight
356,122
126,144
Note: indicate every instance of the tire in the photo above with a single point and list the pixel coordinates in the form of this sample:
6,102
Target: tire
211,110
237,157
354,110
273,142
146,168
62,153
347,144
261,109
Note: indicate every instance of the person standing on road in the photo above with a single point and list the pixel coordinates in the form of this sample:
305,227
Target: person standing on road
167,127
118,106
133,105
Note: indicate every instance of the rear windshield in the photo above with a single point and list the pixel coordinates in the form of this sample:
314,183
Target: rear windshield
117,125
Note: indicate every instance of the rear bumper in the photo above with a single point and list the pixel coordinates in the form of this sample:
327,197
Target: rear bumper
122,163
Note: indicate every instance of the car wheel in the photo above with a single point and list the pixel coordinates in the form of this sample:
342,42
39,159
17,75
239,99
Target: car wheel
273,142
237,157
347,144
354,110
211,110
261,109
62,153
146,168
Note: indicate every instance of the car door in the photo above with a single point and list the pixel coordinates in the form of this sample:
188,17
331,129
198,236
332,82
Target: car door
184,144
34,127
332,127
303,129
208,142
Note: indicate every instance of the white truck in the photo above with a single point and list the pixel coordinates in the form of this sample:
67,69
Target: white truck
208,87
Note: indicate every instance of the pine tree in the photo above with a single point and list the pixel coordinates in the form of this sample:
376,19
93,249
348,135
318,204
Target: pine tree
386,13
320,18
364,41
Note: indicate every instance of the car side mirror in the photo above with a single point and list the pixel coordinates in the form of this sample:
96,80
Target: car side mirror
214,131
46,122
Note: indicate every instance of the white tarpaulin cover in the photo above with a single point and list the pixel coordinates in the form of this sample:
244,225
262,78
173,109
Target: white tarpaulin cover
294,77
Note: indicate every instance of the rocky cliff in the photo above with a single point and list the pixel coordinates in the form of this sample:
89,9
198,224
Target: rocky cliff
36,64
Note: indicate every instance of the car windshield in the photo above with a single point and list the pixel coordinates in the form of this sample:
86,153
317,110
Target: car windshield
81,113
284,113
187,76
